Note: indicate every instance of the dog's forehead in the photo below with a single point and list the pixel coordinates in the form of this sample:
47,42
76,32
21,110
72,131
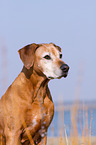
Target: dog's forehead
49,48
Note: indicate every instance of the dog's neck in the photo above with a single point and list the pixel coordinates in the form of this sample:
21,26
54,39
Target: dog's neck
38,82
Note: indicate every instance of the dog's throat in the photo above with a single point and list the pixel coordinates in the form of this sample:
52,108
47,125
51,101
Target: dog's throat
40,91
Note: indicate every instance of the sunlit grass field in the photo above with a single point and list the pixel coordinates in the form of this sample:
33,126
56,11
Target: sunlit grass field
74,138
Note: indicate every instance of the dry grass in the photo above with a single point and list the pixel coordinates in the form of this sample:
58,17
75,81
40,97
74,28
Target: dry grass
75,138
62,141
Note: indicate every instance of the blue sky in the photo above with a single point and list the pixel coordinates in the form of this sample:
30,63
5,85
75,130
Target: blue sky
71,24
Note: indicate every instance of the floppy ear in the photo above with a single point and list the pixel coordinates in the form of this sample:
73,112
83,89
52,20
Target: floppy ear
27,54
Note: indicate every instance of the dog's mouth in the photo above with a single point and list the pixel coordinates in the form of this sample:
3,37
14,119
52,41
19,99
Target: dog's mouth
50,77
63,75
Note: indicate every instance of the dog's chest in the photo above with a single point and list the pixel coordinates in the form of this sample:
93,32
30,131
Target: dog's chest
40,113
39,117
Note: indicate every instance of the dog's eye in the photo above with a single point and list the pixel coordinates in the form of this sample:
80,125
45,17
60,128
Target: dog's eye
47,57
60,55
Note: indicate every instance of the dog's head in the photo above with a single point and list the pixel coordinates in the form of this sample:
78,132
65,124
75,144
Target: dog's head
44,58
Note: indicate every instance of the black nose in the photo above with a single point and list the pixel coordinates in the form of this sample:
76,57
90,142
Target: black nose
64,67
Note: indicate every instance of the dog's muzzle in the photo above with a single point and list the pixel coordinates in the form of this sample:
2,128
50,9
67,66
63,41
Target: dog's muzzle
64,68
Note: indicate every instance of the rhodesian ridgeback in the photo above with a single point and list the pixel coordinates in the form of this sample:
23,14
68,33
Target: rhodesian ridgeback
27,109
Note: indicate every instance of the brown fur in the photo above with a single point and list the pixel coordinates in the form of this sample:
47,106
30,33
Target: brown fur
27,109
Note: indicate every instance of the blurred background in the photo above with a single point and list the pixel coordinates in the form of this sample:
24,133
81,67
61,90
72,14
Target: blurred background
69,24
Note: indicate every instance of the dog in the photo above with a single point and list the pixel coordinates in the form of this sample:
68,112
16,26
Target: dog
26,108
